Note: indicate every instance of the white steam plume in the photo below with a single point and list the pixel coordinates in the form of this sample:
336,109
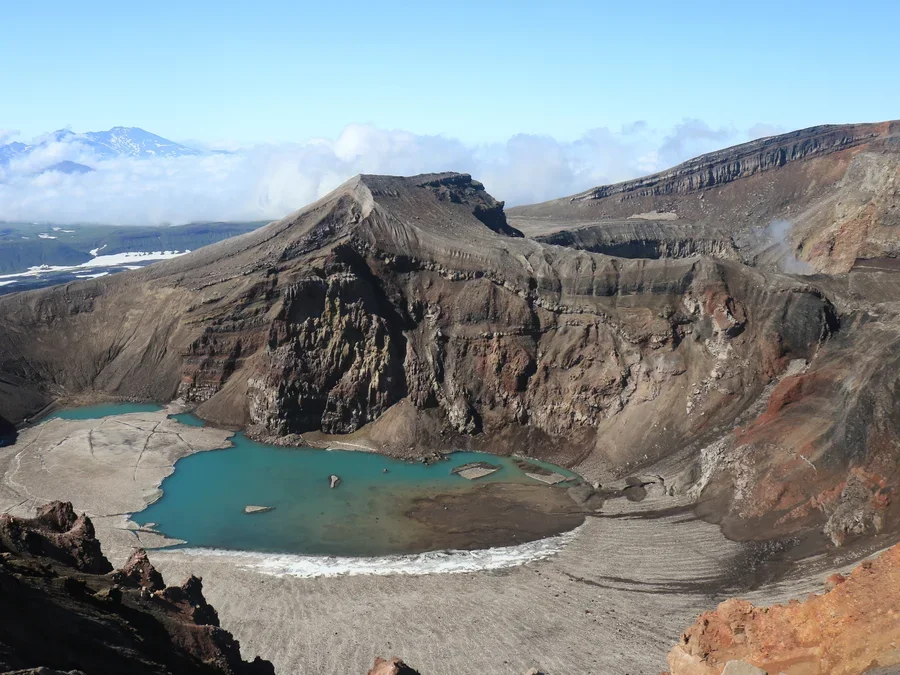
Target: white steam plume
779,232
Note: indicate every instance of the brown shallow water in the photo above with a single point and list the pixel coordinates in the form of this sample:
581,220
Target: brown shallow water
495,514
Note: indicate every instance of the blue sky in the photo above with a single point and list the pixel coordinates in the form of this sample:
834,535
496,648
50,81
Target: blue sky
536,99
477,71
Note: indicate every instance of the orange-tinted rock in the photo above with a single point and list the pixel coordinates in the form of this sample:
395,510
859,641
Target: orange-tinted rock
852,627
393,667
834,581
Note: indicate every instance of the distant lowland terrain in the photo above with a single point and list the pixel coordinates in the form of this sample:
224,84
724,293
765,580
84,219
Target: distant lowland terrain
34,255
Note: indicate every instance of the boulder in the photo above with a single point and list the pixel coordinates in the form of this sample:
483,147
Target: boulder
56,532
253,508
138,572
394,666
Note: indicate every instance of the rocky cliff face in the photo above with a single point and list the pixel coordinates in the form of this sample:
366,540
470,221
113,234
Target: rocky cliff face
408,313
741,161
647,239
818,199
63,607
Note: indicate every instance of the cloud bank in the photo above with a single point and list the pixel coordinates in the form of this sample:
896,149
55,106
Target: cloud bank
269,181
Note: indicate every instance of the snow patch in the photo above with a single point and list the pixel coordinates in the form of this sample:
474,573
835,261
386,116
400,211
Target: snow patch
114,260
130,257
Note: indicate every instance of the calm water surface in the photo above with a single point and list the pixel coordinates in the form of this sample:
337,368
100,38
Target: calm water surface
203,500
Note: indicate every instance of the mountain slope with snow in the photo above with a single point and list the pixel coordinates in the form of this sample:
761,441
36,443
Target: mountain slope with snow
116,142
134,142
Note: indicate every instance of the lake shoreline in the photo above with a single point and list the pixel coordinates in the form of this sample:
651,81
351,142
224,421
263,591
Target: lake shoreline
608,600
130,456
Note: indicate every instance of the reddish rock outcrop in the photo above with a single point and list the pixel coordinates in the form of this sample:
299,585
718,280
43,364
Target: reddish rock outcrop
394,666
56,532
851,628
140,573
60,608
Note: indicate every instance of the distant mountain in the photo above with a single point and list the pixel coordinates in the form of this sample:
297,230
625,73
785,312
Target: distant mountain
116,142
67,166
10,150
133,142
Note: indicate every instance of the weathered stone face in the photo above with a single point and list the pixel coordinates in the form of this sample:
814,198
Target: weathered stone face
71,613
333,361
406,311
850,628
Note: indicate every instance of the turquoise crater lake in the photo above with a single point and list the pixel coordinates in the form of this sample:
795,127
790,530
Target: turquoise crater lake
203,502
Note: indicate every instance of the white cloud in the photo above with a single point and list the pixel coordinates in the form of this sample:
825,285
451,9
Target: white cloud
692,137
268,181
762,130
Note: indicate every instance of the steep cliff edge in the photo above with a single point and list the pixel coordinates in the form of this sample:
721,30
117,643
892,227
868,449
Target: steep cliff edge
65,608
826,196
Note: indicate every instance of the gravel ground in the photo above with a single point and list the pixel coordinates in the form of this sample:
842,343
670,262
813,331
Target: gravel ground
614,600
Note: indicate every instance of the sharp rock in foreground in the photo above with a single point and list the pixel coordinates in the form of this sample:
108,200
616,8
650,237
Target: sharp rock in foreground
852,628
65,608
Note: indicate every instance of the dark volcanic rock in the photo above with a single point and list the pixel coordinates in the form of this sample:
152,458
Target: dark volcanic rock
56,533
60,610
140,573
188,599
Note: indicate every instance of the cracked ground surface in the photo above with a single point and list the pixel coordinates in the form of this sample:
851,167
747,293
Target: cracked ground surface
613,601
108,468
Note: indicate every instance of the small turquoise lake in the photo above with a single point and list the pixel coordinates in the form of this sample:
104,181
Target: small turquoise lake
203,502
